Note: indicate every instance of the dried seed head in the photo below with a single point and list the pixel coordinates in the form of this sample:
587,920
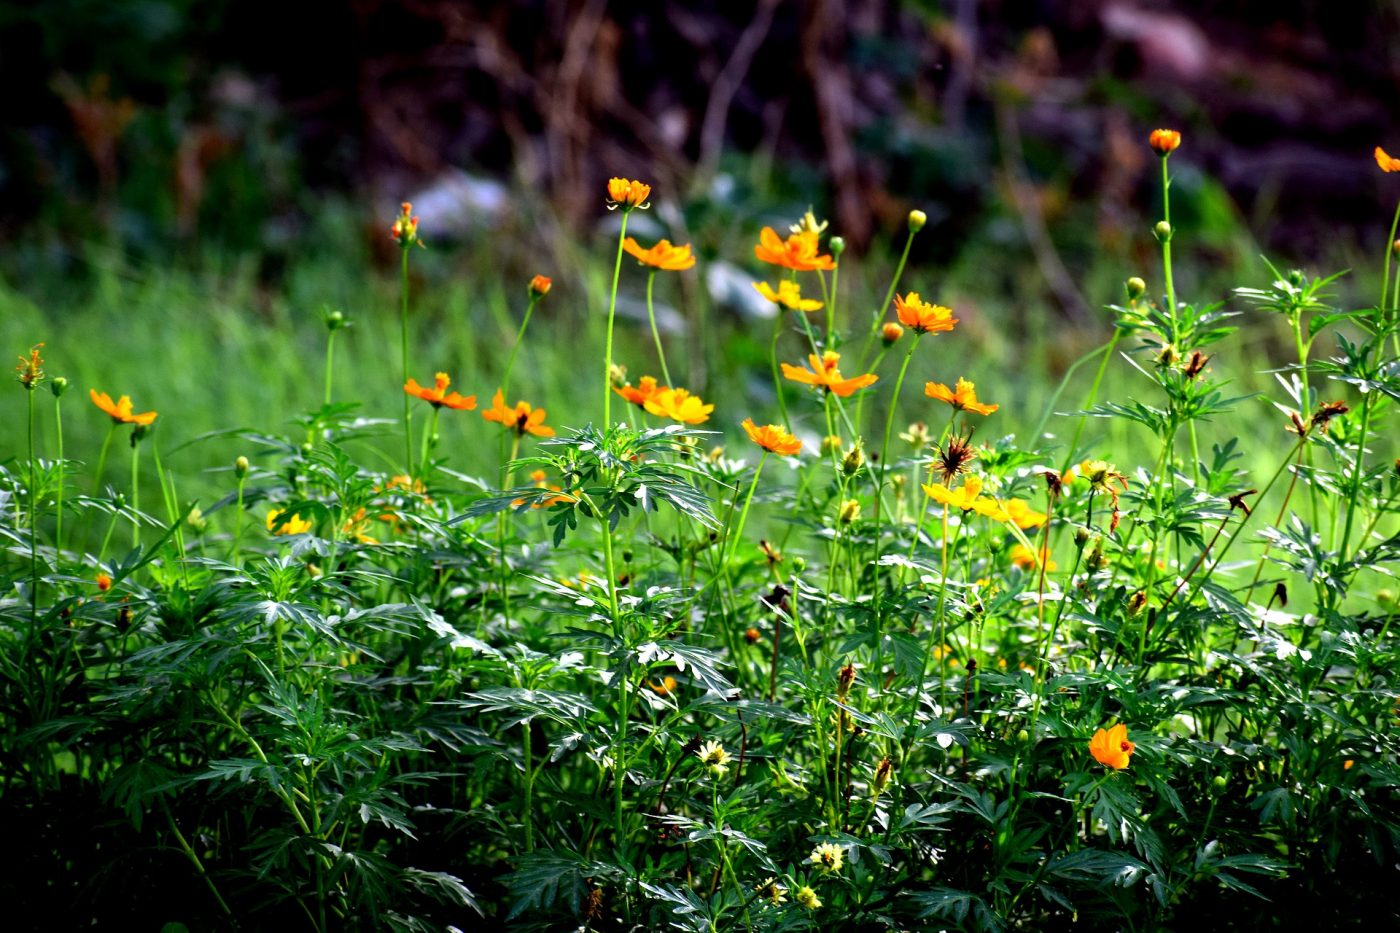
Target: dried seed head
844,678
954,457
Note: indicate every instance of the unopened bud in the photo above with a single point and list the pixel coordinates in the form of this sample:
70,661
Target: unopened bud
1385,597
854,460
1081,535
832,442
1295,277
196,519
891,333
1163,231
799,563
917,219
58,386
540,285
335,320
838,245
240,467
1135,287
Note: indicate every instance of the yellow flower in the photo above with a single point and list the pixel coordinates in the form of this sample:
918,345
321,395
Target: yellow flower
1023,515
828,857
1387,162
849,512
1164,141
773,438
280,522
1111,748
963,398
678,405
627,195
540,286
807,897
772,892
968,498
826,373
438,396
788,295
713,756
521,419
661,256
921,316
120,411
799,252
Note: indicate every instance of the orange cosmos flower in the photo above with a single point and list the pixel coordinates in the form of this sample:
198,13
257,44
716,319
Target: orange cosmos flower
963,398
1111,748
522,419
286,523
921,316
120,411
798,252
773,438
1024,558
1164,141
405,227
639,394
438,396
678,405
661,256
788,295
1387,162
827,374
627,195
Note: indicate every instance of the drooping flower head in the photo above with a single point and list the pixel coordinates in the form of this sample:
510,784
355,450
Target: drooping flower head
438,396
678,405
1387,162
825,373
30,374
1111,748
773,438
1164,142
962,398
120,411
788,295
799,252
922,317
522,419
628,195
661,256
404,230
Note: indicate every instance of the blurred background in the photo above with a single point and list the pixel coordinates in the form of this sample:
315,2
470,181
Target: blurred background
186,186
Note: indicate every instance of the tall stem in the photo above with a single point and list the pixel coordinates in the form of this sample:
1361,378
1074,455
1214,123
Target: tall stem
403,353
889,297
519,339
330,364
655,334
612,313
135,493
58,511
33,516
884,466
773,367
1167,248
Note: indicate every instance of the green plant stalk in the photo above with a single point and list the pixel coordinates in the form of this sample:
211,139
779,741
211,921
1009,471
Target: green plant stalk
656,334
1167,247
1305,399
773,368
1107,351
1389,248
1356,474
880,481
829,298
330,365
403,353
527,812
190,854
102,460
612,314
58,512
519,340
427,446
238,523
889,297
135,495
738,534
33,514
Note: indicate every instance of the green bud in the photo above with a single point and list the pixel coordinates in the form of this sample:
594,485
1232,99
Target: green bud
58,386
1295,277
1163,231
306,450
240,467
799,563
1135,287
838,245
1022,737
335,320
917,220
196,519
1220,781
1081,535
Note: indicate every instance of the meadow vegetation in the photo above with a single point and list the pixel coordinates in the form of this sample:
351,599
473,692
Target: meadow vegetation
483,611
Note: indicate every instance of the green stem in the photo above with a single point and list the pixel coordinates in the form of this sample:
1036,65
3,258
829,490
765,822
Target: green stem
1167,248
889,297
135,494
744,513
330,365
58,513
612,314
403,353
1107,352
773,367
33,516
238,523
102,460
884,466
519,339
1389,248
527,813
655,334
190,854
1356,474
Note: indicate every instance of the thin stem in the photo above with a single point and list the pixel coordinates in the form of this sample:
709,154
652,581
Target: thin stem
889,297
58,512
519,340
773,366
33,515
1107,352
612,314
403,353
135,494
655,334
884,465
330,365
1356,473
744,513
1167,248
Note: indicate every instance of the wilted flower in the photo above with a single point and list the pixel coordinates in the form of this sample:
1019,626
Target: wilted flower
1111,748
30,375
882,775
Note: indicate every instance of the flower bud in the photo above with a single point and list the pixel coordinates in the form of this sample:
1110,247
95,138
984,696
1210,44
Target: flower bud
1220,781
752,635
196,519
837,245
1395,247
240,467
617,375
139,432
1164,142
1022,737
58,386
882,775
799,563
1135,287
854,460
1385,597
850,511
1295,277
335,320
539,286
891,333
832,442
306,449
1081,535
917,220
1163,231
